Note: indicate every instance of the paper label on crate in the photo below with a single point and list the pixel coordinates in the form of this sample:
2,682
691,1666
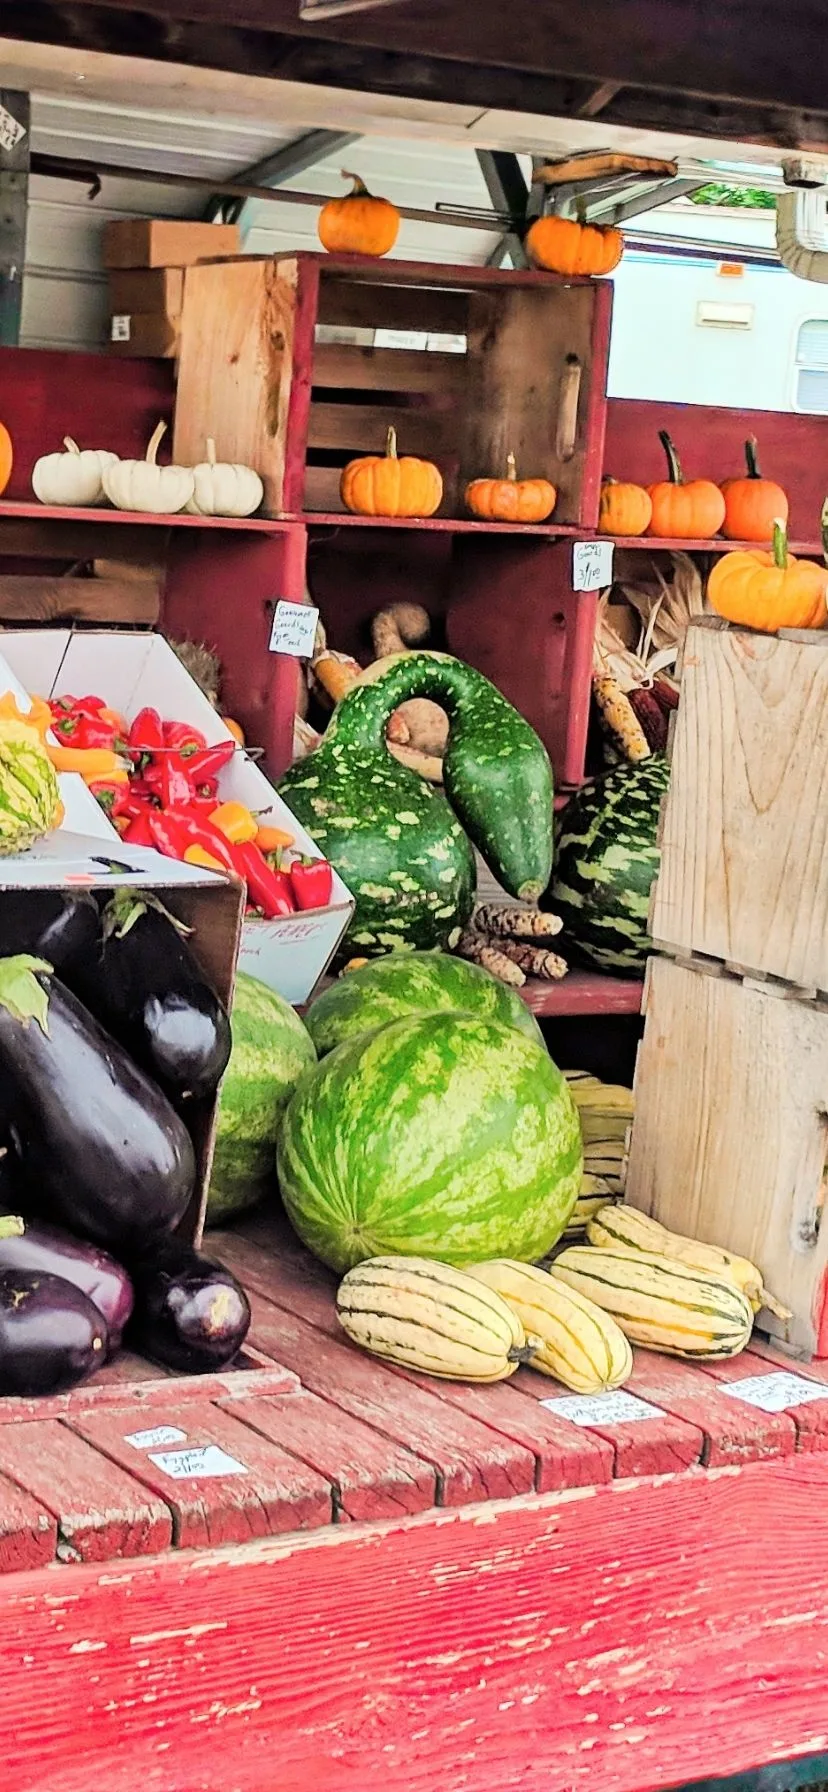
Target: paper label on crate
120,328
776,1392
12,131
294,629
592,565
613,1408
152,1440
198,1464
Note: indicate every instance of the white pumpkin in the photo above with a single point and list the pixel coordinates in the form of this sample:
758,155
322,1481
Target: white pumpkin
224,487
141,485
75,477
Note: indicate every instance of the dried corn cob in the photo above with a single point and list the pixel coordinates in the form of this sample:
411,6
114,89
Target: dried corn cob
475,948
501,922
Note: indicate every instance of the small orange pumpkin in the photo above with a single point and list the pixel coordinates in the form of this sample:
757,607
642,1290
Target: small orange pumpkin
383,485
359,223
511,500
752,505
568,246
625,509
769,591
684,512
6,457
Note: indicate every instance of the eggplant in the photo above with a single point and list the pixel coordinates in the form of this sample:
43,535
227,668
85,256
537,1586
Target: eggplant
58,925
46,1250
101,1148
190,1313
144,984
51,1334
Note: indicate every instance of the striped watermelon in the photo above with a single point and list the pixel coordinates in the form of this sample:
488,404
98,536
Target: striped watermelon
412,983
271,1049
444,1136
607,861
30,803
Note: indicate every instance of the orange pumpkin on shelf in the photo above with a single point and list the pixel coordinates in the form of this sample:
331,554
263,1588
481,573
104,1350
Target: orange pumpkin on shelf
6,457
769,591
358,223
625,509
511,500
752,504
689,511
385,485
569,246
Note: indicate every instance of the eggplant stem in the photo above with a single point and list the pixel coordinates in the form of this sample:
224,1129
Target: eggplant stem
125,908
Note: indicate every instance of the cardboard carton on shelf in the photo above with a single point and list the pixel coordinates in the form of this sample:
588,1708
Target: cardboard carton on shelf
137,671
166,242
138,333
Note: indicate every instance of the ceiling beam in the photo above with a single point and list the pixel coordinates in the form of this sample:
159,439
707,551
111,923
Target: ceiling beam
290,159
508,192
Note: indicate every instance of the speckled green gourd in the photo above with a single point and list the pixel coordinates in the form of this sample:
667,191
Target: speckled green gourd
403,847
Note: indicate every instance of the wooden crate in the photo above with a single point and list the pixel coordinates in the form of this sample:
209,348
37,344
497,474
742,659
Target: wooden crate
744,848
730,1131
257,374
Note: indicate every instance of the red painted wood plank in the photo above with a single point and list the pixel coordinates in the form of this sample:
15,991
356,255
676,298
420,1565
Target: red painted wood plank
267,1491
584,992
67,513
662,1445
28,1533
372,1477
156,1390
471,1461
732,1432
627,1638
101,1511
810,1420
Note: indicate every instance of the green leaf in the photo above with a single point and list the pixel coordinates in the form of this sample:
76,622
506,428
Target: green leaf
21,994
125,908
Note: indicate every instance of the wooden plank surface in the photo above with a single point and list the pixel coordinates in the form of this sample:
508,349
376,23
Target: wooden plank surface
362,305
363,428
732,1432
809,1420
729,1137
266,1491
352,367
371,1476
101,1510
665,1444
108,602
28,1532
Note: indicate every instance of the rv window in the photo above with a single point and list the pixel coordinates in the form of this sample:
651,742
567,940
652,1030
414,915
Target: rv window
812,367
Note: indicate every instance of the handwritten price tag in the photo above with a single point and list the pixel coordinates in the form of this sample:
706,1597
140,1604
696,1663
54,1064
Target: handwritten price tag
592,565
615,1408
776,1392
190,1465
294,629
11,131
152,1440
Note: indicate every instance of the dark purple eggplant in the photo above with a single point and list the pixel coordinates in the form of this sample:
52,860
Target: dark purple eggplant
51,1334
144,984
190,1313
101,1148
46,1250
58,925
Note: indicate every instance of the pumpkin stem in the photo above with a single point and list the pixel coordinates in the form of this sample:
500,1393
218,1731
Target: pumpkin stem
580,210
211,451
824,527
674,472
154,441
359,190
391,445
70,445
780,544
752,458
511,468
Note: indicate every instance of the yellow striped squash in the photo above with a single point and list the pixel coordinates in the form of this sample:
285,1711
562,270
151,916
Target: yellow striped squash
621,1228
429,1316
577,1342
660,1303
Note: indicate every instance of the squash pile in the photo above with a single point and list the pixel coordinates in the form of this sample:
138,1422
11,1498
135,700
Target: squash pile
89,477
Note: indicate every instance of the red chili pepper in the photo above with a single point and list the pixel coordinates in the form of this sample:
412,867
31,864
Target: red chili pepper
311,881
139,832
92,733
112,794
176,785
88,706
66,727
151,778
208,787
62,705
170,835
195,830
209,763
146,733
186,739
270,890
135,804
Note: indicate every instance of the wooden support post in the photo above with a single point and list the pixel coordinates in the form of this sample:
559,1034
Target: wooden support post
15,143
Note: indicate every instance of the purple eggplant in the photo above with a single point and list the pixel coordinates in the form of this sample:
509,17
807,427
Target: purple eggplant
58,925
51,1334
190,1313
45,1250
100,1147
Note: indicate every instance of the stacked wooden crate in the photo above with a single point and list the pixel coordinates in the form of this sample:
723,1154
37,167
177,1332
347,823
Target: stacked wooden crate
731,1129
146,259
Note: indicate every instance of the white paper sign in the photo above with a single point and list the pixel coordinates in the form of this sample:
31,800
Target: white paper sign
152,1440
776,1392
613,1408
120,329
11,131
190,1465
294,629
592,565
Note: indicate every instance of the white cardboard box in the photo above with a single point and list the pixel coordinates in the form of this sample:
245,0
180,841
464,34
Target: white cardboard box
133,672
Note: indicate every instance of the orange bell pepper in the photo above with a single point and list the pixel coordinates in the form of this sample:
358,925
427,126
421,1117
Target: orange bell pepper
235,822
273,839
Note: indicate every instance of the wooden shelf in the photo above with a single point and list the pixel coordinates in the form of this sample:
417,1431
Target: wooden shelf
713,545
335,519
63,513
584,992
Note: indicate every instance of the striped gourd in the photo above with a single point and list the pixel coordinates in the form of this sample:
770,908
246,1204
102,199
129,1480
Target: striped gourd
606,860
429,1316
595,1194
577,1342
659,1303
30,804
617,1227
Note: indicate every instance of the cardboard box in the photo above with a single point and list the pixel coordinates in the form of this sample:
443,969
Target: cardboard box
148,291
166,242
133,671
133,333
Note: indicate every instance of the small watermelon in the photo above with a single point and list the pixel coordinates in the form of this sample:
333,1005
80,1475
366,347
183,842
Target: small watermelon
606,863
271,1049
446,1136
412,983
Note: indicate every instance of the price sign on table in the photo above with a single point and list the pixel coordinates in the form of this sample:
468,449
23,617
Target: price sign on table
592,565
294,629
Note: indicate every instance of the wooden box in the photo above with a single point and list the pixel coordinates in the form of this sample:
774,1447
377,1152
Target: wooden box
525,372
744,848
165,242
150,292
729,1138
143,334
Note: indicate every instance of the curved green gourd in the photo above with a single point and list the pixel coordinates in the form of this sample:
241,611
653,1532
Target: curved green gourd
404,848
